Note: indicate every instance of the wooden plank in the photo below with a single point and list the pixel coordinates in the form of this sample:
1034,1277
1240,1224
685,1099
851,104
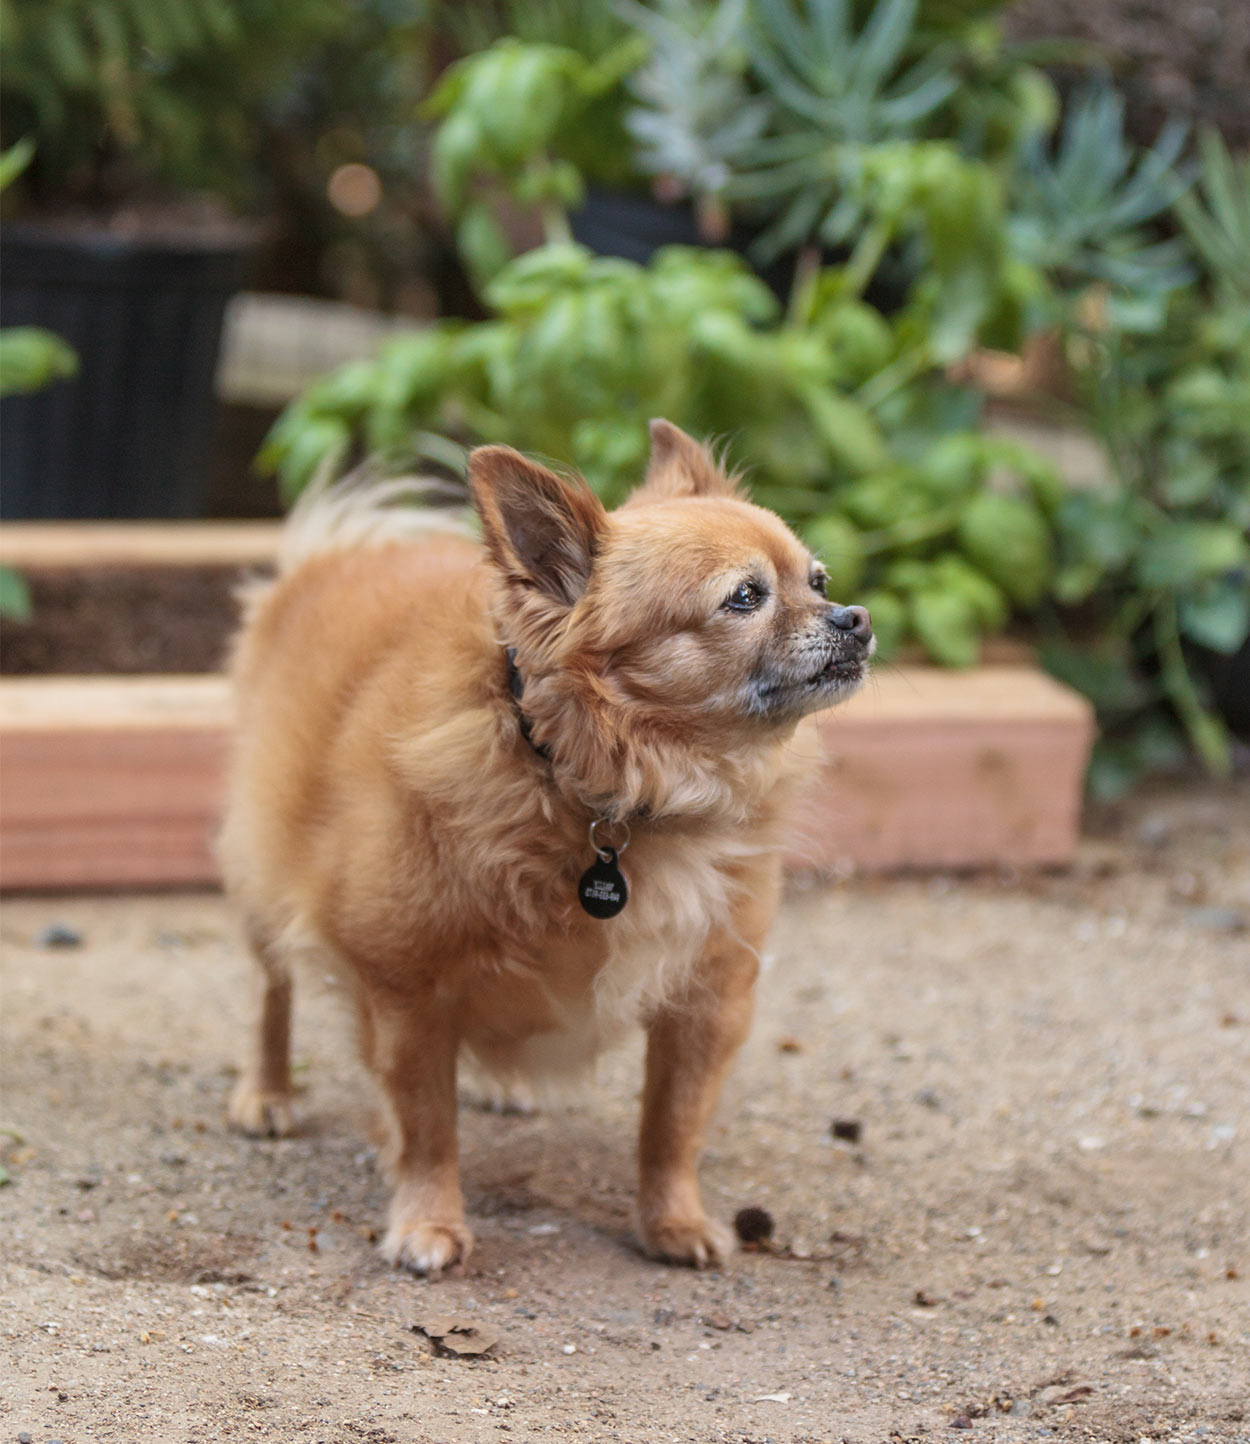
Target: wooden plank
895,695
928,768
117,781
125,852
273,347
110,781
145,703
57,545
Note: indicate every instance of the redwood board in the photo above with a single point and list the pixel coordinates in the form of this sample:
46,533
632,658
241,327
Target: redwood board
117,782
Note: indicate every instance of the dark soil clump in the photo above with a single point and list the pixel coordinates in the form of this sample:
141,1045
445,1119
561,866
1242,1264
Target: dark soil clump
124,620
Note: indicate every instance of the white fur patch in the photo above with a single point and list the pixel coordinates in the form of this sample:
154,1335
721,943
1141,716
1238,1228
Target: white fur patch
364,508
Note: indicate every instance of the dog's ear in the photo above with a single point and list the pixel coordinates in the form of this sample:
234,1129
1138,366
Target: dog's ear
542,531
681,466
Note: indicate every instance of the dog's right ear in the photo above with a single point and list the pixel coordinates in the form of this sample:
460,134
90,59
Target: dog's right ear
681,467
542,531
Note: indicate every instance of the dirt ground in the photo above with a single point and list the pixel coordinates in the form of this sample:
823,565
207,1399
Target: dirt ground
1042,1232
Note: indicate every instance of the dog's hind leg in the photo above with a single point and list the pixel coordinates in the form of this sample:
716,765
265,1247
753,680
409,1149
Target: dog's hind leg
261,1101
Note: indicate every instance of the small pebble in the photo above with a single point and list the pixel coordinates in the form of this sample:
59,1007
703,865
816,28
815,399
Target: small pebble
59,935
847,1130
754,1225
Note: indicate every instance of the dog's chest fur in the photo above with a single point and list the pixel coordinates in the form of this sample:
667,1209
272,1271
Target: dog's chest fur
552,997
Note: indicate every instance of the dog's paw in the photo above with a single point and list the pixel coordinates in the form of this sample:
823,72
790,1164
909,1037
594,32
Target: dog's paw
260,1113
697,1240
427,1248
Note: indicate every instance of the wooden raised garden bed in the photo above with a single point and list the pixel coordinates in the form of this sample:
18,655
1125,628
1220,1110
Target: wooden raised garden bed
116,780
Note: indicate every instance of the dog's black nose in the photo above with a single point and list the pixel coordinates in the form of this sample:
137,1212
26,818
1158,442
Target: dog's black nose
854,620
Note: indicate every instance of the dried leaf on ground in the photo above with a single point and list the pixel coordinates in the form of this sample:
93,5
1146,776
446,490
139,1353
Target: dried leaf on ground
460,1338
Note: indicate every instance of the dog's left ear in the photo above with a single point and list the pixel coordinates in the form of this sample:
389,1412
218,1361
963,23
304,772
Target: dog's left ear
681,466
542,531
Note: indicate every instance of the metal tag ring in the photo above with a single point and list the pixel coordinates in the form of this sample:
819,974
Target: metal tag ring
603,821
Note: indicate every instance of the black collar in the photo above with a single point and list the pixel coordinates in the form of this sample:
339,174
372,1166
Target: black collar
516,685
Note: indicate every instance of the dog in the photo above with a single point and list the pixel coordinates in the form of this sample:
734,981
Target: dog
521,793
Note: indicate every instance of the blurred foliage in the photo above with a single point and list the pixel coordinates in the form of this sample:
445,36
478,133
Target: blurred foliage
30,356
1079,214
843,413
14,596
30,359
1217,218
505,112
1155,567
129,97
885,476
695,114
770,107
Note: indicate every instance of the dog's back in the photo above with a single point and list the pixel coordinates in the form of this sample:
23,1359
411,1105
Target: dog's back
358,632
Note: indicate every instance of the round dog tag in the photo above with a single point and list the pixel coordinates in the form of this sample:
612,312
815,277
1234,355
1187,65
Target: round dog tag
603,891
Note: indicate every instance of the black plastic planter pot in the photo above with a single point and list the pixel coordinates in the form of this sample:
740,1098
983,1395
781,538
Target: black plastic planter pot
620,223
1229,677
130,435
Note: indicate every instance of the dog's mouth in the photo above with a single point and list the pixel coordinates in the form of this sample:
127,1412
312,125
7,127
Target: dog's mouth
839,671
836,678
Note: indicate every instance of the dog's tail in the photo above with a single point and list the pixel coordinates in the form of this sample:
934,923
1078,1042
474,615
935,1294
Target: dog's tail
368,507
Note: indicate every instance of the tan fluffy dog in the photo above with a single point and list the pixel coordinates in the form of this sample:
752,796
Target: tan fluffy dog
427,731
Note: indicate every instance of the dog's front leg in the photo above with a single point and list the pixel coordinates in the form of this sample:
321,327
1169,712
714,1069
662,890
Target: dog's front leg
691,1043
412,1045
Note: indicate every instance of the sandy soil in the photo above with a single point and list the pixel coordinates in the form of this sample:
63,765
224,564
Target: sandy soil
1043,1231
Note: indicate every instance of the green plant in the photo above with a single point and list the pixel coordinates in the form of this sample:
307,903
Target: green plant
507,111
1157,564
126,96
1217,217
845,415
581,351
837,90
695,113
505,114
1080,216
769,107
30,359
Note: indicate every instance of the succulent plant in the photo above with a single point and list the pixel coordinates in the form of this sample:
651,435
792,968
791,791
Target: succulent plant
1216,215
837,87
695,113
1079,214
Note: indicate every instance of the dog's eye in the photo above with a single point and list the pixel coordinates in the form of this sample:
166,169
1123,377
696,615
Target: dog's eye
745,597
820,583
